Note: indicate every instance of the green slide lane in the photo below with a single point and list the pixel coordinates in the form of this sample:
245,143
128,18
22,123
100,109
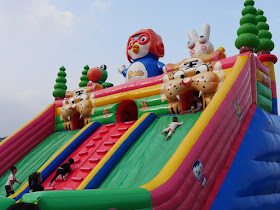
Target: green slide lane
148,155
32,161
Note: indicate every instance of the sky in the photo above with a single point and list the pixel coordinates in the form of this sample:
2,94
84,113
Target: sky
37,37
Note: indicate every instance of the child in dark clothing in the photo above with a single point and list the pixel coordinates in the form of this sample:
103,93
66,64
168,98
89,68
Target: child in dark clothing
34,182
63,170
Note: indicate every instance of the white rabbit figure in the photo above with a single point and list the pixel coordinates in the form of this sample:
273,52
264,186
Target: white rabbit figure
200,45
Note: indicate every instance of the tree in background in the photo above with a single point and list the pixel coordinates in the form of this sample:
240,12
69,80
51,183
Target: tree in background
247,33
60,87
84,78
266,45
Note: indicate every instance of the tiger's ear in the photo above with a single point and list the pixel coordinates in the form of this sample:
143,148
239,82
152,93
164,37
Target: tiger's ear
69,94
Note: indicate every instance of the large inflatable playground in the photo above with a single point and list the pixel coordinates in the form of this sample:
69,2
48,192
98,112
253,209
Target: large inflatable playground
224,156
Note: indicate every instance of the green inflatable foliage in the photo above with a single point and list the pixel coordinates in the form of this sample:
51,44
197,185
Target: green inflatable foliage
249,18
248,31
249,3
84,78
264,35
60,86
250,39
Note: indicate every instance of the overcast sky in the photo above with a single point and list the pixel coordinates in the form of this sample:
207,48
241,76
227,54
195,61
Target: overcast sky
37,37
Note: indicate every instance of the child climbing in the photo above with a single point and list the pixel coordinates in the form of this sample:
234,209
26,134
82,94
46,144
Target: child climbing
63,170
11,180
34,182
171,128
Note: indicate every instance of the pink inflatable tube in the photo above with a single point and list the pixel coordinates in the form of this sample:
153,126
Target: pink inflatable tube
26,139
229,62
182,190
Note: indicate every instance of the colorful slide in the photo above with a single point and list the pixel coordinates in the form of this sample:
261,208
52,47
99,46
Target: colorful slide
157,166
88,155
148,155
224,156
32,161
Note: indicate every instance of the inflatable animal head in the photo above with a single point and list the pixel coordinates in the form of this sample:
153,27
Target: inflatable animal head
200,45
66,111
174,89
98,74
75,102
188,68
142,42
206,82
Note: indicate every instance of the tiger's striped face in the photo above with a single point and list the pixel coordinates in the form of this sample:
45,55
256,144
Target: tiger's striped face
70,105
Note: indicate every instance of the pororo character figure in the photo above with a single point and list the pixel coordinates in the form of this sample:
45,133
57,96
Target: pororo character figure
143,51
197,171
99,75
200,45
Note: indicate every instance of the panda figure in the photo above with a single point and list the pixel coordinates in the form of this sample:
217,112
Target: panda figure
143,51
197,171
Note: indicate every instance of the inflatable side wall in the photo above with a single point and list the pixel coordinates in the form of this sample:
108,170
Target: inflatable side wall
253,178
17,145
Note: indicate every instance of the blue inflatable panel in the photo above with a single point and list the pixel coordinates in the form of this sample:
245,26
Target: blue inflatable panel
253,181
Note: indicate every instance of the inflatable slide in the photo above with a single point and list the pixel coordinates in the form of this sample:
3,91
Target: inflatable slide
225,155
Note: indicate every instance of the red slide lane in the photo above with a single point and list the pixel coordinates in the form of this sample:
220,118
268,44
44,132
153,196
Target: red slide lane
88,154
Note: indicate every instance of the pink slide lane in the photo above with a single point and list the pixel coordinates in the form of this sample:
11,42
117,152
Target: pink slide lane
88,154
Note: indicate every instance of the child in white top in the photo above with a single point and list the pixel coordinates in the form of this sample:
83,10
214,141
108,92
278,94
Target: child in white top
11,180
171,128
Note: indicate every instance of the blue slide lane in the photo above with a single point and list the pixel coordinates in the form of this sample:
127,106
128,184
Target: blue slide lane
253,181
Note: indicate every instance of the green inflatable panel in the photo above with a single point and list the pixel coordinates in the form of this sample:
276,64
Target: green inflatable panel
137,198
6,202
264,91
104,119
112,108
264,97
159,110
150,101
264,103
59,127
148,155
37,157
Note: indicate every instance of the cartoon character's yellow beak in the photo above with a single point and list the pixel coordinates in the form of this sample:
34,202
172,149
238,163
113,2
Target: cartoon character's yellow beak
135,48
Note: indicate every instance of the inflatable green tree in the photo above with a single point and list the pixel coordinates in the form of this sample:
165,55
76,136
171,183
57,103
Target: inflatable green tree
266,45
247,33
84,78
60,87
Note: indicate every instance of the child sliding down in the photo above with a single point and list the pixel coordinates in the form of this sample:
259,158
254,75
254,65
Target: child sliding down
171,128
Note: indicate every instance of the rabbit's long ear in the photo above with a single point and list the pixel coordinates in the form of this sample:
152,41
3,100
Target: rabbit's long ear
193,35
205,31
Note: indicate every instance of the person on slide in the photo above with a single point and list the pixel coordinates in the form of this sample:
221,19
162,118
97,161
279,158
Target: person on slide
63,170
171,128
